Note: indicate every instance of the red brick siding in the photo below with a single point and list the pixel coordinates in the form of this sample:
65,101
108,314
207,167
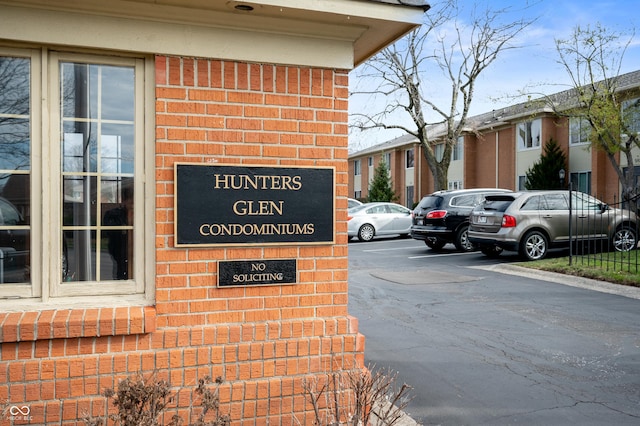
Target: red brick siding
264,341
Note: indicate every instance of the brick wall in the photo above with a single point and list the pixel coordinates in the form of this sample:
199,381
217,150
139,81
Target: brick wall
264,341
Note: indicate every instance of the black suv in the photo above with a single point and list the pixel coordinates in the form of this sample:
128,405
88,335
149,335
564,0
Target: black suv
443,217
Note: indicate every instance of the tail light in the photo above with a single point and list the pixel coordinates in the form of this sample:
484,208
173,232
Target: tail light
508,221
349,218
436,214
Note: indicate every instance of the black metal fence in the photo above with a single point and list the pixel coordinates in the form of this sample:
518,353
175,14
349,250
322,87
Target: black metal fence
604,235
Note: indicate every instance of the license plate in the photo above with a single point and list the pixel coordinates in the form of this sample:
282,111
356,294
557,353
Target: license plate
482,219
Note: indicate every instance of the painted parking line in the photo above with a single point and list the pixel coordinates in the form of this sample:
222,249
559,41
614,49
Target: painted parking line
389,249
443,254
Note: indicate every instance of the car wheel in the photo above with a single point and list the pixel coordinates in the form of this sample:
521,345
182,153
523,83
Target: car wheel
624,239
492,252
435,243
462,242
534,246
366,232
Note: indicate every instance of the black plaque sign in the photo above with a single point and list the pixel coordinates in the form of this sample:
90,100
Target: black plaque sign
256,272
253,205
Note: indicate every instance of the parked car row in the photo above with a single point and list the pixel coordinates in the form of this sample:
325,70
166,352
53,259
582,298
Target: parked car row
492,220
533,222
443,217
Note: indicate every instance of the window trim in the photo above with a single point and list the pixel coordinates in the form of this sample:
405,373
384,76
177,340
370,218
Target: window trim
46,286
409,159
536,124
586,133
357,168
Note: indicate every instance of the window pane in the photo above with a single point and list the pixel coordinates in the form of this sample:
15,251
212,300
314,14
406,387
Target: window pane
80,201
556,202
15,245
79,147
117,148
81,255
15,143
117,93
79,90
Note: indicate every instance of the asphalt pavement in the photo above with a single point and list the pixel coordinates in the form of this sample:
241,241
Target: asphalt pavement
485,342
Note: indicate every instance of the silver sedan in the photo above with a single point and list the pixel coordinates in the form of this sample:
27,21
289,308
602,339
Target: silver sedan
371,219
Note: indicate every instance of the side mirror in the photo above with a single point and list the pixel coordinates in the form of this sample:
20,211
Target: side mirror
603,207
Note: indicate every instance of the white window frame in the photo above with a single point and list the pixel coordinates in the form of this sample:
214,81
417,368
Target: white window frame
455,184
529,134
631,112
409,159
386,157
46,191
458,150
357,171
438,151
579,131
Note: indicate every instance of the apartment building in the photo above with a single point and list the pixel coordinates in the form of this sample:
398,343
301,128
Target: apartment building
496,150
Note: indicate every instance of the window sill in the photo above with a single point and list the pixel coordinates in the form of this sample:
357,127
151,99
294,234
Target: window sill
74,323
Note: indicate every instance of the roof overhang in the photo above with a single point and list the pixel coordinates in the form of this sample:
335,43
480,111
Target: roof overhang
362,26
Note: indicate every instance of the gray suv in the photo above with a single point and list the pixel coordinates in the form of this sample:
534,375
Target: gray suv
533,222
443,217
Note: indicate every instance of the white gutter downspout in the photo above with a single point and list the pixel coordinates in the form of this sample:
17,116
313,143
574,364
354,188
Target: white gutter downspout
497,159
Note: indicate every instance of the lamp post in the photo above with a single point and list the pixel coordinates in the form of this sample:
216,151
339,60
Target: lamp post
561,175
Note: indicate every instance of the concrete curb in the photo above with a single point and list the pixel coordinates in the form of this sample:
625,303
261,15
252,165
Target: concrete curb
570,280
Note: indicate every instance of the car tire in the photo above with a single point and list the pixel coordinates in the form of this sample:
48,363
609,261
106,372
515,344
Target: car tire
493,251
435,243
366,232
534,246
624,239
462,242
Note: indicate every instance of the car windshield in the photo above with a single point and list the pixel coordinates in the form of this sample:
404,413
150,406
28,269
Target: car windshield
430,202
498,203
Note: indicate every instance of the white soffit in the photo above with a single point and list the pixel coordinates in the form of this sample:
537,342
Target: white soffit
326,33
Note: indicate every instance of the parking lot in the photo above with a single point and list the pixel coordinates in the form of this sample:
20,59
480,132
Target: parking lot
480,346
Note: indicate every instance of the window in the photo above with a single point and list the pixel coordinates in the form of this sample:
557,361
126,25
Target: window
556,202
370,161
581,181
529,134
583,202
579,130
458,149
410,195
522,182
631,115
455,184
386,157
356,168
74,193
357,195
532,204
468,200
409,158
438,151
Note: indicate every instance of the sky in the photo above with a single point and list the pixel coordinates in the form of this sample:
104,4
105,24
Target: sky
530,67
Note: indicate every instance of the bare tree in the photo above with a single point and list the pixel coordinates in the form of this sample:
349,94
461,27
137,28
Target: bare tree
592,57
461,52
